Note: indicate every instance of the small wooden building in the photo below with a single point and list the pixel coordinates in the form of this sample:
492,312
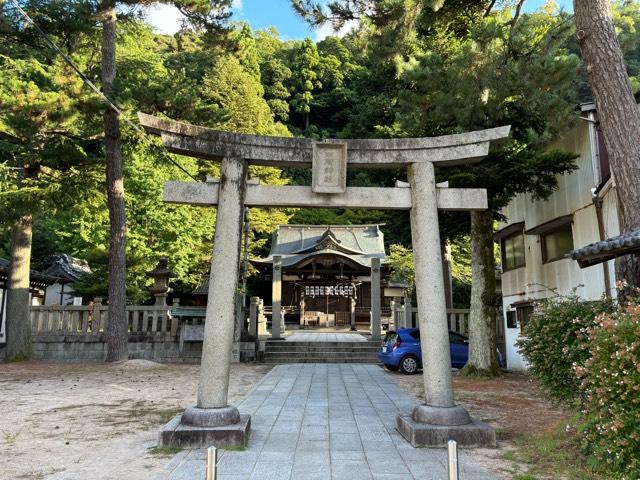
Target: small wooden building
38,285
326,272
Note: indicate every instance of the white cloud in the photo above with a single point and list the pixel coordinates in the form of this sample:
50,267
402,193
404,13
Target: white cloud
237,5
165,19
326,30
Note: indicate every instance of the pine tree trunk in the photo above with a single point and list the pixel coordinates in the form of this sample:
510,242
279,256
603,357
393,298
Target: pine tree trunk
618,113
18,317
117,335
483,360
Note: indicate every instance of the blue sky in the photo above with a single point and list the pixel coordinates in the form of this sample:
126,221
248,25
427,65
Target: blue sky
277,13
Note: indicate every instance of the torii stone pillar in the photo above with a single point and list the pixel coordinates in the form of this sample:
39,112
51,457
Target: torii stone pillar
213,421
434,334
439,419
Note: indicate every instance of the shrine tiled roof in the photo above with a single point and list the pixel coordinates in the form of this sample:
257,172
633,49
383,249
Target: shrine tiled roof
360,243
36,278
598,252
66,267
203,286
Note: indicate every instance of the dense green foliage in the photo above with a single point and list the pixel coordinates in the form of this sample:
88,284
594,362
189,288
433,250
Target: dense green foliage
405,70
52,152
587,354
552,343
403,269
610,384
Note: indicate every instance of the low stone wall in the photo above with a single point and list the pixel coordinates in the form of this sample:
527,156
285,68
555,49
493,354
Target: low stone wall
92,348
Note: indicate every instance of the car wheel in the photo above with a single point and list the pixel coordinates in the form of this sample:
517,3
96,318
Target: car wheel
409,365
393,368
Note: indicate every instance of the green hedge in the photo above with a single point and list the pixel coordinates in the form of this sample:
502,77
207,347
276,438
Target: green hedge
552,345
588,354
610,383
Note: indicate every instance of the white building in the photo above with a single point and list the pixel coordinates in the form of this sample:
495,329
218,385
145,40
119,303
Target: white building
67,270
538,235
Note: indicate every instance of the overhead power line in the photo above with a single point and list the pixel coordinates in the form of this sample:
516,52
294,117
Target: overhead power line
88,82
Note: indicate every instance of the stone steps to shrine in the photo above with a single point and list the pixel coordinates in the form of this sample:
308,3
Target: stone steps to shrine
288,359
320,352
320,347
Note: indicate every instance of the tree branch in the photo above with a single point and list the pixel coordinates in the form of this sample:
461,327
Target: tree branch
514,21
7,137
488,10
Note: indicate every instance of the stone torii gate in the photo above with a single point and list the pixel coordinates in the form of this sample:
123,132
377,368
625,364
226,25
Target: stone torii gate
212,420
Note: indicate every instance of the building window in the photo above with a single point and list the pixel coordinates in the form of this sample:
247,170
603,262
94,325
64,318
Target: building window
519,314
513,252
556,244
524,313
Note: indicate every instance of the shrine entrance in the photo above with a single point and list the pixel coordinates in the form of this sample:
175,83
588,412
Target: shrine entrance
327,276
213,420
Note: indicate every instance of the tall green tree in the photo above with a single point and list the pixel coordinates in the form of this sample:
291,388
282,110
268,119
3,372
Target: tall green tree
43,142
49,137
618,113
117,334
502,73
210,15
305,79
493,68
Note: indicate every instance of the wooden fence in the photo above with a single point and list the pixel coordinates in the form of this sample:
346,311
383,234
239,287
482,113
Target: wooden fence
153,321
458,319
92,320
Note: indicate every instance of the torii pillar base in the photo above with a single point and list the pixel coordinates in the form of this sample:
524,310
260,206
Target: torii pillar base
440,419
434,426
203,427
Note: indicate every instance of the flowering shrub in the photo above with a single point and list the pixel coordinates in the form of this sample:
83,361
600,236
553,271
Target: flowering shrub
610,383
552,342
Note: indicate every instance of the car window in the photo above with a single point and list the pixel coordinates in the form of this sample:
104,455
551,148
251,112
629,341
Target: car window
390,337
453,338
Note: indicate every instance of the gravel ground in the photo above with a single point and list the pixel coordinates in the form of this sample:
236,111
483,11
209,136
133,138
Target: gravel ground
95,421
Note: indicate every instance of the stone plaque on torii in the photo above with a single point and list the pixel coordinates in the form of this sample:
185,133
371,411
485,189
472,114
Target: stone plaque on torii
212,420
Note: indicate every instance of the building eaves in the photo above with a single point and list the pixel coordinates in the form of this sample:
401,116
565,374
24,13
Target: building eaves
598,252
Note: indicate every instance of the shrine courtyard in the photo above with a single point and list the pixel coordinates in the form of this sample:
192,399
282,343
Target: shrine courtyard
70,421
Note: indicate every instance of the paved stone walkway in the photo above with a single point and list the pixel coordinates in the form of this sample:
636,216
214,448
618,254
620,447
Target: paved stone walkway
325,337
325,421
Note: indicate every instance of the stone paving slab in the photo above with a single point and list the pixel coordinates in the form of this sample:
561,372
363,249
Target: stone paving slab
329,422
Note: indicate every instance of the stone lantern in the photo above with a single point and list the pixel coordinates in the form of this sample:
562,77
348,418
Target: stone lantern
161,275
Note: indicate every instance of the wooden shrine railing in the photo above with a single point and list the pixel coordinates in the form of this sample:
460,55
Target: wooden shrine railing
458,319
87,320
158,321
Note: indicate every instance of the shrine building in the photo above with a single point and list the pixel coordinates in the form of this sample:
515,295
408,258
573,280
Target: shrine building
326,273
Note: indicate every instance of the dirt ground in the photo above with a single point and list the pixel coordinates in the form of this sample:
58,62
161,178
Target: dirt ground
512,404
95,421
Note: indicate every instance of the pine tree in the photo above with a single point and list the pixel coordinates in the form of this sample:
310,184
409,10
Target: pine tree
618,114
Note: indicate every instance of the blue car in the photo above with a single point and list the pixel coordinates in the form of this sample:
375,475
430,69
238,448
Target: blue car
400,350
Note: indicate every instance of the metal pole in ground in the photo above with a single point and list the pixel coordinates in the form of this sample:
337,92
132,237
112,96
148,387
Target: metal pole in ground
212,463
452,446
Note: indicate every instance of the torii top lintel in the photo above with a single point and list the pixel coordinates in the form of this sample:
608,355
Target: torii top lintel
202,142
